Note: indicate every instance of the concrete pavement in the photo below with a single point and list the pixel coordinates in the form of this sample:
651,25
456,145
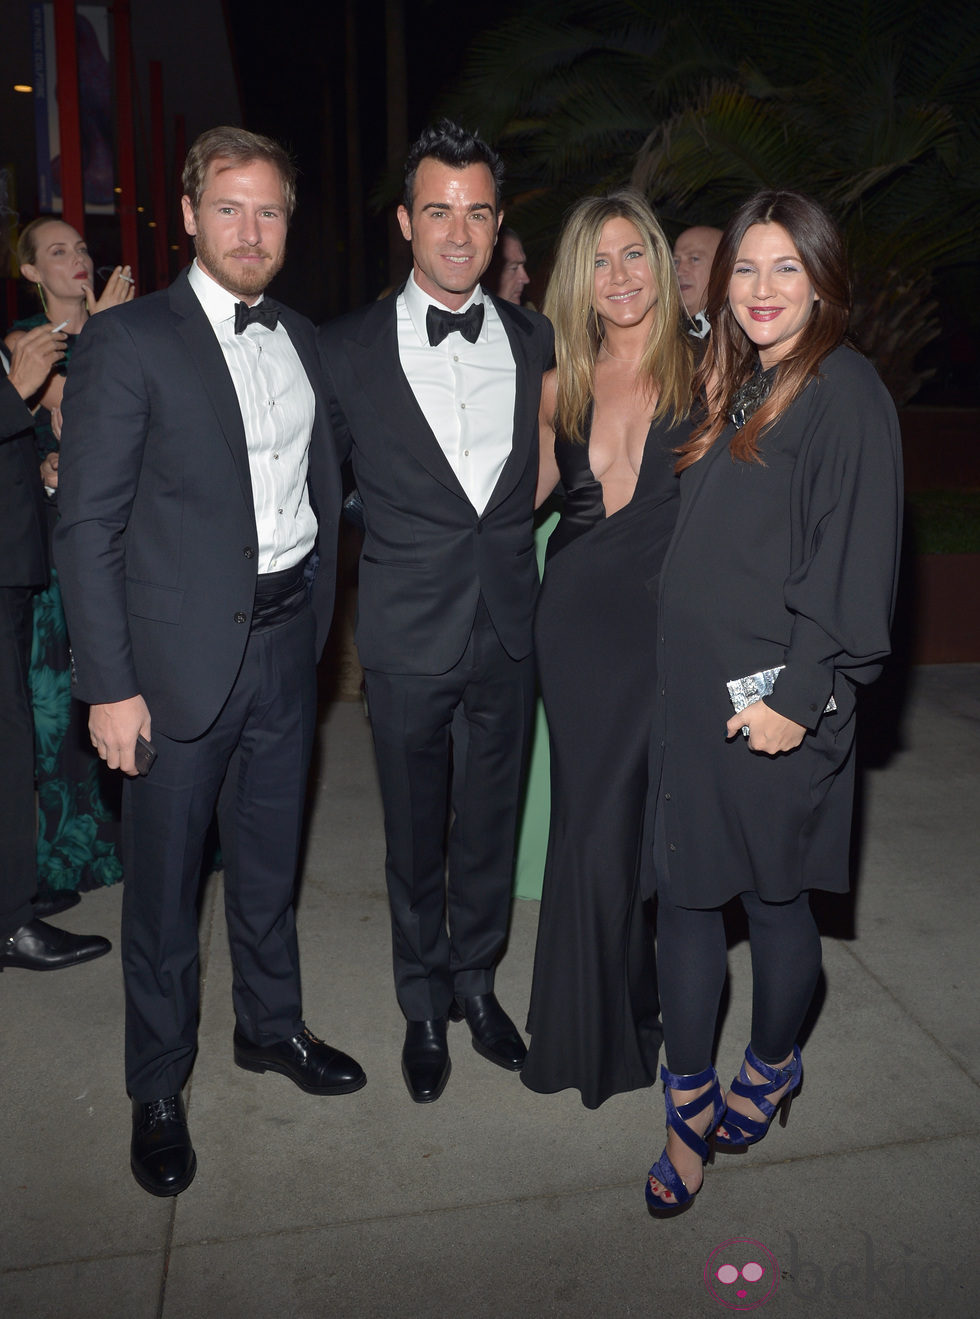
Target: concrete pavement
495,1201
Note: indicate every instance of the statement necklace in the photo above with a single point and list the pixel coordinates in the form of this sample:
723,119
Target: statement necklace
749,398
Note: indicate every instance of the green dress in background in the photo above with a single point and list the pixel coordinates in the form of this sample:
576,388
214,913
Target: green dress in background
78,798
532,840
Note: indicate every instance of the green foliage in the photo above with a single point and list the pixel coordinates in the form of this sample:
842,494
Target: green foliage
872,108
945,521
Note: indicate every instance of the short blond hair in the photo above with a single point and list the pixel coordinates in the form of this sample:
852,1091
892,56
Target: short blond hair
239,147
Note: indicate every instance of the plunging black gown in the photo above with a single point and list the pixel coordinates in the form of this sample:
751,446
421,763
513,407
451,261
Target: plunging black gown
593,1017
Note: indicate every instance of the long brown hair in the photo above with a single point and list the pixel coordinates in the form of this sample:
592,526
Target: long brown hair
731,356
666,363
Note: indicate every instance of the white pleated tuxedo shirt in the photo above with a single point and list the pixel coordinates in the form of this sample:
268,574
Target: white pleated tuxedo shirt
466,390
278,406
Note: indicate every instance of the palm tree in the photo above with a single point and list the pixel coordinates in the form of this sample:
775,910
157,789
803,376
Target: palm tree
872,109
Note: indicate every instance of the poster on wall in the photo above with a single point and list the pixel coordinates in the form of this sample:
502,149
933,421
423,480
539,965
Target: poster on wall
95,108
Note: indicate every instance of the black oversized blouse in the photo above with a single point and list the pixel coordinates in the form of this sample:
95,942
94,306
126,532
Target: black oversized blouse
792,561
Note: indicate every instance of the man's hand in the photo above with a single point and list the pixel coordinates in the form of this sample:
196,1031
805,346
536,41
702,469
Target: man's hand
768,731
119,287
33,357
114,729
49,470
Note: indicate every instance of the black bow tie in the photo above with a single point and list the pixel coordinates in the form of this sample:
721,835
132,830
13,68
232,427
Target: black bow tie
439,323
264,313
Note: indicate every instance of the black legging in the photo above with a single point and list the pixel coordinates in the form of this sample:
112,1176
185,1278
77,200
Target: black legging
692,958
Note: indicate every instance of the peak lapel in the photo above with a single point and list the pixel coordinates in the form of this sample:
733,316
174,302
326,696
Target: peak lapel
208,362
373,355
524,427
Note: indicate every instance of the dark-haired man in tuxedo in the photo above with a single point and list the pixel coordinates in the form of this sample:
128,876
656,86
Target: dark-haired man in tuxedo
435,393
197,479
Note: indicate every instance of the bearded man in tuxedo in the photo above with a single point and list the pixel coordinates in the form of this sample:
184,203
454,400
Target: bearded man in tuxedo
198,487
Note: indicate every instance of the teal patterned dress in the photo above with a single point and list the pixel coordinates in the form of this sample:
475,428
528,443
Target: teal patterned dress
78,798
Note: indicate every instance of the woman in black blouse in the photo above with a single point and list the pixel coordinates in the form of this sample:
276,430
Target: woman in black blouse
781,573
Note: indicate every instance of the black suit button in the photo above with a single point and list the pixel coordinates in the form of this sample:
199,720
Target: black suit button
479,528
249,552
241,618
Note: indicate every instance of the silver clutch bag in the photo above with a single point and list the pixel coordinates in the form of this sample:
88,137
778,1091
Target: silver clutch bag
754,686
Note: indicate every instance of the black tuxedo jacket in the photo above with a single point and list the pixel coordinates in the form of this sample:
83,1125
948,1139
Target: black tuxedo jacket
23,543
428,555
156,544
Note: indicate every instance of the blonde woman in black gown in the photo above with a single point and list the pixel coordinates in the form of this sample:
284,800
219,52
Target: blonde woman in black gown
609,421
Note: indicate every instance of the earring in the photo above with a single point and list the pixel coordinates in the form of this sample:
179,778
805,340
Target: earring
40,294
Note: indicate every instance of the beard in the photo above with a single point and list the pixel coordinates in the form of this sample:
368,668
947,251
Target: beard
243,281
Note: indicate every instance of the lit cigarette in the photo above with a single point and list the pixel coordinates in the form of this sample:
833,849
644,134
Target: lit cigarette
59,327
128,278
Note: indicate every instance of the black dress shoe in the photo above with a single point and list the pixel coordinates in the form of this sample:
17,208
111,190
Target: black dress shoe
55,901
161,1156
425,1059
314,1066
37,946
494,1034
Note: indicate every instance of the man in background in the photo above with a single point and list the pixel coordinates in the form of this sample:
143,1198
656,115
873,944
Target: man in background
507,273
694,252
25,941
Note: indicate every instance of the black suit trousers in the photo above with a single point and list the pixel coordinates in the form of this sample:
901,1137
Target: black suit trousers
18,827
477,719
252,765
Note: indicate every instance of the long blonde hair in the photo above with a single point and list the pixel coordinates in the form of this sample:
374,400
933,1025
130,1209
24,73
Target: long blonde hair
666,365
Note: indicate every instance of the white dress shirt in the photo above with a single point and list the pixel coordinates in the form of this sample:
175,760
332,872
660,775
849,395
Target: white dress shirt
466,390
277,405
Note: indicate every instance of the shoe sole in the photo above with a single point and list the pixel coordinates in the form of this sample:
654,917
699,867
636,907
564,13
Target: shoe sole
456,1013
506,1063
351,1087
23,965
154,1188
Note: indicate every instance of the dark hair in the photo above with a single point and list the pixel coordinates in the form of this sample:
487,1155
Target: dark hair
452,145
731,356
240,147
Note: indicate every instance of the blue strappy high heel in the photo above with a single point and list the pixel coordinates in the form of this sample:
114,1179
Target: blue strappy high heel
677,1119
737,1129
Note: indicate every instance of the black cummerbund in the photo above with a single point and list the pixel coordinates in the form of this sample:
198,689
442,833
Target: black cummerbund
279,596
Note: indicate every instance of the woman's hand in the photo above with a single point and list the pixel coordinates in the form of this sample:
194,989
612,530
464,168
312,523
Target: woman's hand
119,287
548,475
768,731
34,354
